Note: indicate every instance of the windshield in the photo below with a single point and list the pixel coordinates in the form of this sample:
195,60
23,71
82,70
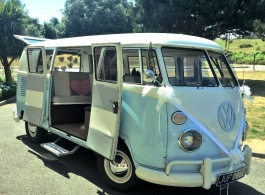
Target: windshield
222,69
188,67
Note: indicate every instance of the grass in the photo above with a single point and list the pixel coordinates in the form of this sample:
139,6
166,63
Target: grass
256,110
234,45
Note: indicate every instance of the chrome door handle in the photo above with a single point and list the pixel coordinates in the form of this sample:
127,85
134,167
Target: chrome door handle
114,105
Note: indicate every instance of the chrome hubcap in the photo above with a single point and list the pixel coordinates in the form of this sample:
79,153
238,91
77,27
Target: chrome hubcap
32,129
120,169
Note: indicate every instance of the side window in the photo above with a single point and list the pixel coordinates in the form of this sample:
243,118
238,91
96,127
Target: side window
35,61
131,62
67,61
105,63
49,54
132,65
149,61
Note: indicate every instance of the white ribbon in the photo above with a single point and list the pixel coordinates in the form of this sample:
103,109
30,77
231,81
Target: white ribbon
166,94
245,91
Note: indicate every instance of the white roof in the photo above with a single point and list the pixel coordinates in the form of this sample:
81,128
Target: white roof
135,39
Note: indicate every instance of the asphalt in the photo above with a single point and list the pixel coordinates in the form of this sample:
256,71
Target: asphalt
254,152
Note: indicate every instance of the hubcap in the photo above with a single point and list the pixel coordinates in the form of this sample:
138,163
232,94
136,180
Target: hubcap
120,169
32,129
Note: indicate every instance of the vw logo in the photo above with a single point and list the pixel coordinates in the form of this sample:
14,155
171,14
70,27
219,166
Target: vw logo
226,116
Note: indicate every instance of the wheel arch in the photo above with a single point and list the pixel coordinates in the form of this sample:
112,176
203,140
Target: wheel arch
124,142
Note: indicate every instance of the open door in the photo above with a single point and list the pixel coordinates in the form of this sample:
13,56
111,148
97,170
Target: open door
34,101
106,99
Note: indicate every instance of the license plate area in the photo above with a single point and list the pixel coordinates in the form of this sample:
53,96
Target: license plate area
226,178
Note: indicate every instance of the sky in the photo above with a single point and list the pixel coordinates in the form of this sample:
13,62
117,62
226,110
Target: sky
44,9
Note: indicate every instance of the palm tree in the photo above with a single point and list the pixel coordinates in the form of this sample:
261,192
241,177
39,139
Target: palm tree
12,17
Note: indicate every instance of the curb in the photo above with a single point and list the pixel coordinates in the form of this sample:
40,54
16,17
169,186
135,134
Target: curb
258,154
10,100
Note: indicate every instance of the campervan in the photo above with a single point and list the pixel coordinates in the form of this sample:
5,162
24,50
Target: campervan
164,108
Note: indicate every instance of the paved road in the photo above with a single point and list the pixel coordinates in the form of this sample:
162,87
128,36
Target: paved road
26,168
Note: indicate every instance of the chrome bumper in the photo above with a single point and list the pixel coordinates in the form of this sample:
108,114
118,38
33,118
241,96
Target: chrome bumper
205,178
16,117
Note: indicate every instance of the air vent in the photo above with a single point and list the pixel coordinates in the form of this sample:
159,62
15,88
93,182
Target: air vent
23,86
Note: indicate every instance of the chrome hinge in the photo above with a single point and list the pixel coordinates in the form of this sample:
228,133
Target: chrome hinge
46,118
165,159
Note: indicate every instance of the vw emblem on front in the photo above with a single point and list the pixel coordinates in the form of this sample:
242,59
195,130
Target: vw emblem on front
226,116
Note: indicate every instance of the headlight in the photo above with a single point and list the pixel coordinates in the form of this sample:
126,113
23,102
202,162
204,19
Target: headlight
190,140
178,118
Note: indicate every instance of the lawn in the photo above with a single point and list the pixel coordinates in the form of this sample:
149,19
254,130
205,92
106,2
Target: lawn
257,44
256,110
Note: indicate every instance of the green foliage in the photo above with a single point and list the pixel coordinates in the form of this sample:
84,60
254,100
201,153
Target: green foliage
245,45
259,28
247,58
83,17
203,18
12,17
7,89
33,27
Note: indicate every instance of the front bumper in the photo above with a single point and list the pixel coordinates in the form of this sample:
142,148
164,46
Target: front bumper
205,178
16,117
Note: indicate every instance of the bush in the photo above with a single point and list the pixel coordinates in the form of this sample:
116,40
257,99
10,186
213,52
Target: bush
261,62
245,46
7,90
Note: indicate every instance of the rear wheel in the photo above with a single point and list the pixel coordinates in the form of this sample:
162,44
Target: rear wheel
119,173
35,134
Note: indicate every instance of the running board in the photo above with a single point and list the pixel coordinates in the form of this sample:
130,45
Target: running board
58,150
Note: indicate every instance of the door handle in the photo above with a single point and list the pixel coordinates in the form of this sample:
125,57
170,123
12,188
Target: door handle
114,106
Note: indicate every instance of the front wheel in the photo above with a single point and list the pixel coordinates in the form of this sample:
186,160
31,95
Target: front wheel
119,173
35,134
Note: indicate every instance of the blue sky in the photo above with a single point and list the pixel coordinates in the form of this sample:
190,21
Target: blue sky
44,9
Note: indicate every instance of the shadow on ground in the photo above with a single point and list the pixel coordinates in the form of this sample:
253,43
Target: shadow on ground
256,86
83,163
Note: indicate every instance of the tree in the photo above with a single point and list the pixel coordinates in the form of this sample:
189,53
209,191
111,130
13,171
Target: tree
205,18
259,29
53,29
33,27
12,15
87,17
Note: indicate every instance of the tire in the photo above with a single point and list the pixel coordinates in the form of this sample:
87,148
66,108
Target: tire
35,134
118,181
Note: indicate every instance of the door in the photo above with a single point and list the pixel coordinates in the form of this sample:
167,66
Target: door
106,100
34,102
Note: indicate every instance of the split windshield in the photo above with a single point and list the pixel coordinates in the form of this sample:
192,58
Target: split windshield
191,67
222,70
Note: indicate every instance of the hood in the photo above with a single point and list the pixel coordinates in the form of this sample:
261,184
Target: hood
218,109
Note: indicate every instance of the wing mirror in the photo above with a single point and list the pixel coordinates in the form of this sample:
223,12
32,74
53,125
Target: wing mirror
149,76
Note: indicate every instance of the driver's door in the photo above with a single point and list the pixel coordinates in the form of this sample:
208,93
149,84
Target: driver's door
34,101
106,99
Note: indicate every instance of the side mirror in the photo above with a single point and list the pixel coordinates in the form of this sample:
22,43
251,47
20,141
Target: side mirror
148,76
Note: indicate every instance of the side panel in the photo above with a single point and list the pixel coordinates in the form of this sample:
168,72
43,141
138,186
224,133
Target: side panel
145,128
34,99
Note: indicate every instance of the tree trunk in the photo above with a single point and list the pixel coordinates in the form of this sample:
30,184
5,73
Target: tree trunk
8,75
6,66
